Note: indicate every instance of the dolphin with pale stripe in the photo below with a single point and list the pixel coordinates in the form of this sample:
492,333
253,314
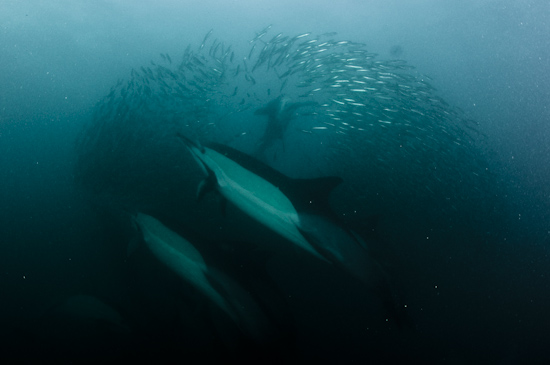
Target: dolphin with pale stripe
296,209
186,261
249,192
180,256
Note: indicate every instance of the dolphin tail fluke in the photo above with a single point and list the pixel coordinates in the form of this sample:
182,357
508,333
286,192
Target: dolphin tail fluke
262,306
241,306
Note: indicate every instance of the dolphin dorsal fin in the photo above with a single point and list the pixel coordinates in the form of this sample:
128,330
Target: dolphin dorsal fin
312,195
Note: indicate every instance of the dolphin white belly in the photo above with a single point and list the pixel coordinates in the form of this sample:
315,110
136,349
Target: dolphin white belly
181,257
254,195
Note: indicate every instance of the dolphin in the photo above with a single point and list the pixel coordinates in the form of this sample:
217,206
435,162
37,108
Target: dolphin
294,208
186,261
297,209
248,191
280,112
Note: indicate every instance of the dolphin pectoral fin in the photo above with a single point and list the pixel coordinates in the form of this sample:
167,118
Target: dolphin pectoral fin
206,186
202,190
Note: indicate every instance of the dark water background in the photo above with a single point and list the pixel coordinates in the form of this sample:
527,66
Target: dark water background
470,256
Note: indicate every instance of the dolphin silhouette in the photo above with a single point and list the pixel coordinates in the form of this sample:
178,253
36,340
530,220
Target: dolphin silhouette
186,261
252,194
294,208
297,209
280,112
